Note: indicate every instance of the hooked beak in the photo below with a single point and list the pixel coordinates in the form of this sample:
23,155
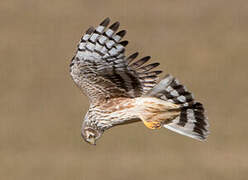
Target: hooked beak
92,141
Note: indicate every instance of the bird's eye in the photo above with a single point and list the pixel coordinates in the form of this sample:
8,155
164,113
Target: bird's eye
91,136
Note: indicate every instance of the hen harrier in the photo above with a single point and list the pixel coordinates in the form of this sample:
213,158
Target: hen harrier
123,90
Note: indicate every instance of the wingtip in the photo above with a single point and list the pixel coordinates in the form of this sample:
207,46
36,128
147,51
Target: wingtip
123,43
134,55
105,22
121,33
146,58
158,72
90,30
115,26
156,64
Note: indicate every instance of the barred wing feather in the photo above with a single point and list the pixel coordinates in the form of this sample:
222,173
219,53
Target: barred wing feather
101,69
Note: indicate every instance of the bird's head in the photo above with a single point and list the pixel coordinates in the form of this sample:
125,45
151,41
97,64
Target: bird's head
90,135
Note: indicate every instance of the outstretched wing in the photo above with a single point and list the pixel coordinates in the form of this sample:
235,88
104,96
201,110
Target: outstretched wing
101,69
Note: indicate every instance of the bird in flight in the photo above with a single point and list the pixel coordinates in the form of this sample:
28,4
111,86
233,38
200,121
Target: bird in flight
124,90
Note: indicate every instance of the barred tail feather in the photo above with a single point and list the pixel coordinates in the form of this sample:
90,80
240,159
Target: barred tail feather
192,121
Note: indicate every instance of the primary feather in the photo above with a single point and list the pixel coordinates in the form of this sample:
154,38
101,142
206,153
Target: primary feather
101,69
123,89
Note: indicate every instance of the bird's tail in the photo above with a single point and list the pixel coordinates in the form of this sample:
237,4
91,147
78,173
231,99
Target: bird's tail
190,119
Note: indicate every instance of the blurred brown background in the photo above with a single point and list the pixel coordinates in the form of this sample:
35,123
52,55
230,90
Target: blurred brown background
203,43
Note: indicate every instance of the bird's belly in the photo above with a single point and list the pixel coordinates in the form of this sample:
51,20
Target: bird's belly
120,111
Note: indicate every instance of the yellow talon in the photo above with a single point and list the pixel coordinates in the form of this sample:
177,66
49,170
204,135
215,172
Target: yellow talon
152,125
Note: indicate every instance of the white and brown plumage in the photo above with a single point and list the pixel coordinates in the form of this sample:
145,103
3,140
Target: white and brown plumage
124,90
